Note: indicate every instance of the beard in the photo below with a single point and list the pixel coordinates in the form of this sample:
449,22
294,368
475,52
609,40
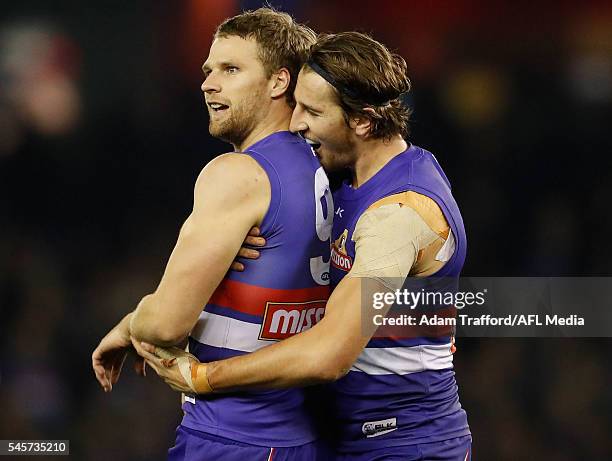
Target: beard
337,154
335,162
240,122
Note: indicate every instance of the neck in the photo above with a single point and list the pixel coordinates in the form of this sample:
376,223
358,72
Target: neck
373,155
278,118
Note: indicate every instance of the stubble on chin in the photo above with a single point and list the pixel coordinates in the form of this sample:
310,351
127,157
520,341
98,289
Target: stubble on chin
216,129
233,130
338,161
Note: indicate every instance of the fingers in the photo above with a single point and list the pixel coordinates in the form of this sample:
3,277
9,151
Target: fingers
158,355
168,362
114,373
111,377
254,231
140,349
100,371
97,368
108,385
153,365
140,366
237,266
147,347
116,369
254,241
136,344
169,356
248,253
163,353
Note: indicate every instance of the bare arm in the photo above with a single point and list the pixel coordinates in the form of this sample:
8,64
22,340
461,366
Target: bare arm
323,353
327,351
231,195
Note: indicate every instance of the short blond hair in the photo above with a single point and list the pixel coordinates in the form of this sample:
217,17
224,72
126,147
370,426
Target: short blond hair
282,42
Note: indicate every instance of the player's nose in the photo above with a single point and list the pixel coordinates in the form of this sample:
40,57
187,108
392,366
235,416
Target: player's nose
211,84
297,124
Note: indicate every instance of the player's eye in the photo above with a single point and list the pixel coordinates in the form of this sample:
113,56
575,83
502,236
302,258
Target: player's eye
231,69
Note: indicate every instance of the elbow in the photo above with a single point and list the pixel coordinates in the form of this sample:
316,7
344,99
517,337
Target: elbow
154,328
326,363
159,335
168,336
330,371
166,333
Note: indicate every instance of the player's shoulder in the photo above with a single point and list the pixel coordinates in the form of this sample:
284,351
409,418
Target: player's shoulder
232,163
233,173
425,207
419,202
232,167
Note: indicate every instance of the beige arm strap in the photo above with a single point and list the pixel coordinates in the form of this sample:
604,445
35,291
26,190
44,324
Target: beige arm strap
398,236
192,371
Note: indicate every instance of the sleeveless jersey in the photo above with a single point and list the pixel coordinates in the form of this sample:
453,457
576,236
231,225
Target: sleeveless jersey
399,391
283,293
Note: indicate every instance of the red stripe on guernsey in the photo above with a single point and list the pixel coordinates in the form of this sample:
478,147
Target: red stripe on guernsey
271,454
251,299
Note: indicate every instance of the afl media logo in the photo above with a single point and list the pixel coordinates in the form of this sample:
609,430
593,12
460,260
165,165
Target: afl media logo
339,257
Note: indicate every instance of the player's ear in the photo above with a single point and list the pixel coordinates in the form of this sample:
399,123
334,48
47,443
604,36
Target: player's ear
280,82
361,124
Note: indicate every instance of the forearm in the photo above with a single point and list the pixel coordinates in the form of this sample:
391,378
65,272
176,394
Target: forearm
206,246
321,354
295,362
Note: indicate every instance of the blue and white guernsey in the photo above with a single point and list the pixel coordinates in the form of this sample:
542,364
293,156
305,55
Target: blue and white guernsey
399,391
282,294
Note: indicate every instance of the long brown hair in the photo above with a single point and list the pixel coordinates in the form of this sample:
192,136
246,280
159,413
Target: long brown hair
365,74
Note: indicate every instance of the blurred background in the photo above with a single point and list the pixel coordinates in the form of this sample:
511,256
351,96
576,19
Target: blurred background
103,133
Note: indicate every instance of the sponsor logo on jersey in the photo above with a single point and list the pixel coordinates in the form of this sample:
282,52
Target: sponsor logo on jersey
376,428
282,320
339,257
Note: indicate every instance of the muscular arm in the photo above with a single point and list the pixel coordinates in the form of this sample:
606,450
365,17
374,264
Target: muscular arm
390,241
323,353
384,257
231,195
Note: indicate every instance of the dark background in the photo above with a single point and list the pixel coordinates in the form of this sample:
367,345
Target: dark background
103,132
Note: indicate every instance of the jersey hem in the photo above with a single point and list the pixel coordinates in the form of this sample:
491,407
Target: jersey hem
365,445
239,437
